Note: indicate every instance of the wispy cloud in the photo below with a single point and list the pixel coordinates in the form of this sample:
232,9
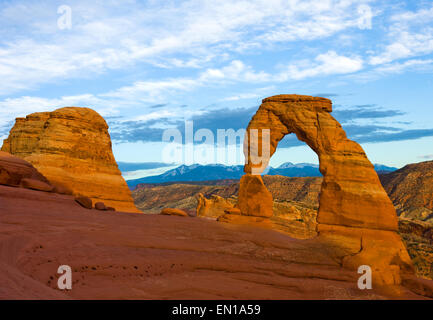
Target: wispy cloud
344,115
396,136
410,34
143,60
238,118
109,36
323,65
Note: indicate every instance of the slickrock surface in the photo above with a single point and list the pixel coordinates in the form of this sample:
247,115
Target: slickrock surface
72,147
411,190
356,216
136,256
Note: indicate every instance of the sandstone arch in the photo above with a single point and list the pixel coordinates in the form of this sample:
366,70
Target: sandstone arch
355,217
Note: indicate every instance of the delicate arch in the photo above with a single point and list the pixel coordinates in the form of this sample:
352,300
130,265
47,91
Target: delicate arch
356,219
351,194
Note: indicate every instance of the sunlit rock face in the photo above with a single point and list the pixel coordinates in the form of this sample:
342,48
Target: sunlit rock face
71,147
355,217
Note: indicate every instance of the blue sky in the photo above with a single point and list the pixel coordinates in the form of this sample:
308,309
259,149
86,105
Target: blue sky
149,65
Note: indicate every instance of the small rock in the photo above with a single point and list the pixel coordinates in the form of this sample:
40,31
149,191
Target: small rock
174,212
7,179
84,202
110,209
232,211
36,185
61,189
100,206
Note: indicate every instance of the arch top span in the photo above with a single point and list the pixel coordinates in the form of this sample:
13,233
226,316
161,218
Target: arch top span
315,103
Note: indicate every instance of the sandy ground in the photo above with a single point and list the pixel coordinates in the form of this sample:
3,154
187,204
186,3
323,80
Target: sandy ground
117,255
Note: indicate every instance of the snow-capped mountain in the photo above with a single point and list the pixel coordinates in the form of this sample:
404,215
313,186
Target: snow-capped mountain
197,172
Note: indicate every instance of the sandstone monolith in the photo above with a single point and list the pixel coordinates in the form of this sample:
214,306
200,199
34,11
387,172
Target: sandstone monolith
71,147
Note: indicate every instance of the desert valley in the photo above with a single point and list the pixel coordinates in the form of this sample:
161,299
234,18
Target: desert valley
63,201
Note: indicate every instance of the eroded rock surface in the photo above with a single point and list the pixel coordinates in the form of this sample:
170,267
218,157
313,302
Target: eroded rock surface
72,147
411,190
418,238
213,207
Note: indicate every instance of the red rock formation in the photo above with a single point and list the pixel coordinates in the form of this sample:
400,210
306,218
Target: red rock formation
72,148
100,206
174,212
356,218
85,202
254,199
213,207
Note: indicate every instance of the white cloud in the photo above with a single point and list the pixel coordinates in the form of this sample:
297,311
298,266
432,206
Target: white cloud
409,64
152,91
237,71
21,106
422,15
410,35
241,97
418,65
133,96
155,90
407,45
256,94
154,116
324,64
106,36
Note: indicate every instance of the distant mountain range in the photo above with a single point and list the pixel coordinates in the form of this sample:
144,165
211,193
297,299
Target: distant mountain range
197,172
